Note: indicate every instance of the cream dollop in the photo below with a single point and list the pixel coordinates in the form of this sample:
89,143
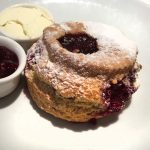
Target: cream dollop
24,21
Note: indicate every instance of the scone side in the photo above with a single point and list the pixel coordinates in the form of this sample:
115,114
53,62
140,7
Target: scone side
47,102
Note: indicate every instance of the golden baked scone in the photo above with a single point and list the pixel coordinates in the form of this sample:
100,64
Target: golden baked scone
78,71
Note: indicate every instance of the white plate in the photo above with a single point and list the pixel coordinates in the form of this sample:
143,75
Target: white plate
24,127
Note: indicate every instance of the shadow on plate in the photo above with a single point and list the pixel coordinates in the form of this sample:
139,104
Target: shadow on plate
8,100
77,127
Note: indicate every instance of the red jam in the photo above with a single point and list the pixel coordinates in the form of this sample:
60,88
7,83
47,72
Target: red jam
79,43
8,62
116,95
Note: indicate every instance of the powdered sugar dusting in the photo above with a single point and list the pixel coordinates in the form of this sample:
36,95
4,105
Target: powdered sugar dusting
110,38
55,45
65,27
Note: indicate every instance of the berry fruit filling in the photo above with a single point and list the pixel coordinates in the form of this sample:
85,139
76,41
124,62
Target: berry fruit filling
79,43
117,94
8,62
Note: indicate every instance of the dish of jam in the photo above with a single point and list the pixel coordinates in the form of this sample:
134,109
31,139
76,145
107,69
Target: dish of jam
8,62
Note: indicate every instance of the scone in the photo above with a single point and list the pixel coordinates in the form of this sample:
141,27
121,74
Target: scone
78,71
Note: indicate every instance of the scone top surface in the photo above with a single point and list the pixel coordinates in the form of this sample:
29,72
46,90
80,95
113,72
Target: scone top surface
115,52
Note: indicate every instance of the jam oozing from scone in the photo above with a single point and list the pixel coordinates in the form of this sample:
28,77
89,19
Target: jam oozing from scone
117,94
79,43
8,62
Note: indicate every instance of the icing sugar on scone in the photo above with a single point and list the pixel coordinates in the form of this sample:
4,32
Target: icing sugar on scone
111,37
82,70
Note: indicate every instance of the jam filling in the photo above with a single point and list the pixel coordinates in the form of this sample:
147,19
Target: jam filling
8,62
116,95
79,43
